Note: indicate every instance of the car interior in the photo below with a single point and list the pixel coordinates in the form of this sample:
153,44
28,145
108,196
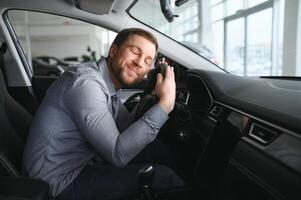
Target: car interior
234,136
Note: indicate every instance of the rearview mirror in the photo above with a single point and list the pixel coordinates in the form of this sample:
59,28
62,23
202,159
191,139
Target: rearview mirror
167,9
180,2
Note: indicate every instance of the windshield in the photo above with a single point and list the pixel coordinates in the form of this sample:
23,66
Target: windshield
245,37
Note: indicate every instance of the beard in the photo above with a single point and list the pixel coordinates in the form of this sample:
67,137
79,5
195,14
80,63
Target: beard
120,74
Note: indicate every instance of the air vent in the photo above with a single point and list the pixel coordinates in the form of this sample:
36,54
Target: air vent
184,96
261,134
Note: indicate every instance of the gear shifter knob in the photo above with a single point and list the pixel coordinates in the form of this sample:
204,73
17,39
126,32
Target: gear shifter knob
146,175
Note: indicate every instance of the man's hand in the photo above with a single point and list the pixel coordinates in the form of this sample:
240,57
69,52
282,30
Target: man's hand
166,89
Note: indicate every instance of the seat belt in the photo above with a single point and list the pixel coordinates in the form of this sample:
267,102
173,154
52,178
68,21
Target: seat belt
3,50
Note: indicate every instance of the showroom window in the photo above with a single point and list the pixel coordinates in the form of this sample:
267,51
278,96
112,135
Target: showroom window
52,43
249,40
238,33
245,37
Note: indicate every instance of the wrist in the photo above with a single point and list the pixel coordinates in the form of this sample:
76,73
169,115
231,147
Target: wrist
165,105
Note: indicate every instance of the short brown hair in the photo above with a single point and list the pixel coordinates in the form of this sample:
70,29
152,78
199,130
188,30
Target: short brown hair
123,35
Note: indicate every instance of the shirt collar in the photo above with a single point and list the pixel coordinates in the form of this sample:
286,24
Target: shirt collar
104,71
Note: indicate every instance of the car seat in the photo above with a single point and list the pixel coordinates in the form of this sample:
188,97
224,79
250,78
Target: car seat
14,126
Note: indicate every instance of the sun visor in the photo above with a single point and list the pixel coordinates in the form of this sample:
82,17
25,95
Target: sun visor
98,7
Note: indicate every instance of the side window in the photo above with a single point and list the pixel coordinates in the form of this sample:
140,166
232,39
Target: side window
52,43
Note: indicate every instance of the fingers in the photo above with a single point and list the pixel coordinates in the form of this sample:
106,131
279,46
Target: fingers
169,74
159,79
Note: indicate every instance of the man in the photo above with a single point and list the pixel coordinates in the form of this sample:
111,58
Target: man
81,119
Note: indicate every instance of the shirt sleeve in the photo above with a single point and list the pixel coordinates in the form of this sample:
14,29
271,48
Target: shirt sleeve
87,104
123,120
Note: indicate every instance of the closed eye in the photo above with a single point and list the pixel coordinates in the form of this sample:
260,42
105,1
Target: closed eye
148,61
134,50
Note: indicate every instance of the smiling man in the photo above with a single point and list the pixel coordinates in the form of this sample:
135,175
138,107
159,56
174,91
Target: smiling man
81,141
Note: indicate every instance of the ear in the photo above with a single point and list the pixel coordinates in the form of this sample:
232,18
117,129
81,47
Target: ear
112,50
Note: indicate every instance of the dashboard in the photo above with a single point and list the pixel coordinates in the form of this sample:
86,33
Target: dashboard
250,130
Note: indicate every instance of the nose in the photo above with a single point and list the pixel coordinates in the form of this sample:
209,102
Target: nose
139,61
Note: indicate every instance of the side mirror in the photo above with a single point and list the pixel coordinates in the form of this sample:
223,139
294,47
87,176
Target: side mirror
167,9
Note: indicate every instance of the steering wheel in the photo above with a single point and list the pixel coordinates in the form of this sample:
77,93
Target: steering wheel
147,99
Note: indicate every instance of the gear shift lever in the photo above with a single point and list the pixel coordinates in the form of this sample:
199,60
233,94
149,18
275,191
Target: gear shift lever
146,175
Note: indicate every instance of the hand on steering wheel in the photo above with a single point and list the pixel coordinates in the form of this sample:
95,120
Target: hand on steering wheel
164,89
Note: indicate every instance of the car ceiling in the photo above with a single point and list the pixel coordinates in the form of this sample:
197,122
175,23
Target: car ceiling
117,19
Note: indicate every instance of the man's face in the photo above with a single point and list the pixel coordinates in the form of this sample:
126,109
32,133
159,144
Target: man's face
132,60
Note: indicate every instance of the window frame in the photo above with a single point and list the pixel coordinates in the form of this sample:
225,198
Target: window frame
20,50
17,44
244,13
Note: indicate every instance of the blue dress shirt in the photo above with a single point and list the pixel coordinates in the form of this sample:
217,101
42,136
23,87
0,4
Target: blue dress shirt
75,123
